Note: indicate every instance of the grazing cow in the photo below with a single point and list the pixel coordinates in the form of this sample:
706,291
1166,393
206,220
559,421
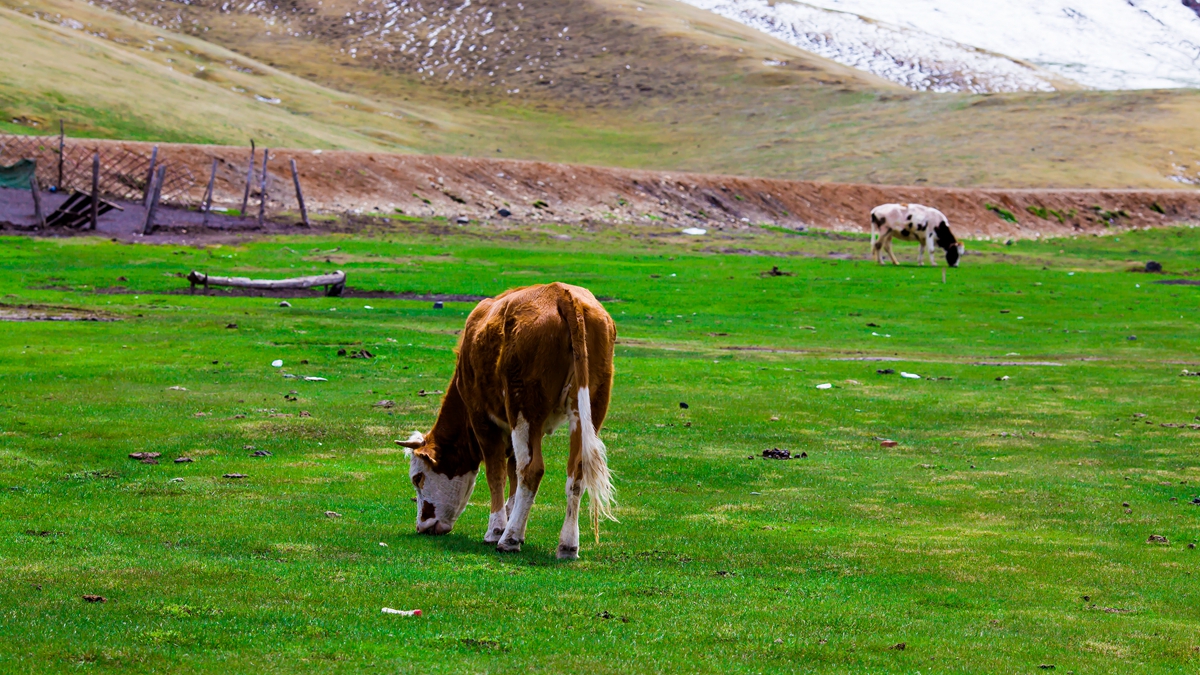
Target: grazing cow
913,222
529,360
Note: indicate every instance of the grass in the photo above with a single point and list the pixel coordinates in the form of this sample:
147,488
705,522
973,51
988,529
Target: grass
992,538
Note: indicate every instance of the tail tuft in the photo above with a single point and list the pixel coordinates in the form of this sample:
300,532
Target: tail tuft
597,479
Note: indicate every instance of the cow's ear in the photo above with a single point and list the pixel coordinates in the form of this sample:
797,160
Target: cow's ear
416,440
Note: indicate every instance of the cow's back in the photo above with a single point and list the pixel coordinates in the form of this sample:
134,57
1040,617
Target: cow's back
519,344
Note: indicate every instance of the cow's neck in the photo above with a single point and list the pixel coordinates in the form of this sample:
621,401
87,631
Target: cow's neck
457,451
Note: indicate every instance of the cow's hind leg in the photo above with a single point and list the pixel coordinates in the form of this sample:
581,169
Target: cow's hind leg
527,449
568,540
929,247
888,245
920,253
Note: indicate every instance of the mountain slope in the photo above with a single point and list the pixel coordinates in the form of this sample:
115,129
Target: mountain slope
970,45
701,93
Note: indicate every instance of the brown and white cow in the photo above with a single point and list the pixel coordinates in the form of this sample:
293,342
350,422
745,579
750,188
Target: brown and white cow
529,360
913,222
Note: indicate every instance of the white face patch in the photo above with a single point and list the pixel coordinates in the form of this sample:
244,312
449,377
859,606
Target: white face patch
440,499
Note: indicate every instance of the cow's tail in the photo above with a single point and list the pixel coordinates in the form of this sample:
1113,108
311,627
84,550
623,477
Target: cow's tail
593,457
874,229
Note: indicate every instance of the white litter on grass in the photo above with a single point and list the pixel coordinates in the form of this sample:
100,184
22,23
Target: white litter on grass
1070,274
266,99
380,543
175,480
176,388
402,612
278,363
315,379
285,303
910,376
825,386
368,307
695,231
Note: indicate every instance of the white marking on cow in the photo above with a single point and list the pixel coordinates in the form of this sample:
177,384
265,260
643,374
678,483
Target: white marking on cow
568,539
522,501
497,522
446,497
520,443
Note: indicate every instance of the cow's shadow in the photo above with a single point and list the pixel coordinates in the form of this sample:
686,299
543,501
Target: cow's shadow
473,544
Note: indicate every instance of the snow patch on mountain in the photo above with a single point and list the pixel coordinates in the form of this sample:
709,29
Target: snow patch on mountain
914,58
923,44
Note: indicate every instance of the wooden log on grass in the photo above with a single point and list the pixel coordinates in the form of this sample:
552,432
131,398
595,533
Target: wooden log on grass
37,203
299,194
333,283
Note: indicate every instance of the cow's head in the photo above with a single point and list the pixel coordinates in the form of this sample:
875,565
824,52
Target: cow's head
441,496
953,247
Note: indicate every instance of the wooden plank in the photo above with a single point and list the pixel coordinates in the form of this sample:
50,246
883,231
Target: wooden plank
61,143
262,188
150,176
37,203
158,183
95,189
206,203
299,194
249,179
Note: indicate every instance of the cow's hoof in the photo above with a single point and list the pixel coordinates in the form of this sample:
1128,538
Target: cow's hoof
568,552
508,546
493,536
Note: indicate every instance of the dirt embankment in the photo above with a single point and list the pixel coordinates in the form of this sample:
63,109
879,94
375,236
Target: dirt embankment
486,189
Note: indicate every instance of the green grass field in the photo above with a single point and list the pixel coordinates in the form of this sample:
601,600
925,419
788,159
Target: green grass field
991,539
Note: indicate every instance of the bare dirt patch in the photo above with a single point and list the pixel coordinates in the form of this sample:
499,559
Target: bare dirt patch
50,313
347,292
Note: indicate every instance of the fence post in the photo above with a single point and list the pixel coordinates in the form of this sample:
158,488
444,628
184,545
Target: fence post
37,203
157,180
249,179
150,176
60,154
262,188
299,194
95,190
206,203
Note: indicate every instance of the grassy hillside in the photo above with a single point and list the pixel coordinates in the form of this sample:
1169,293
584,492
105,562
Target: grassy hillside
1008,528
649,85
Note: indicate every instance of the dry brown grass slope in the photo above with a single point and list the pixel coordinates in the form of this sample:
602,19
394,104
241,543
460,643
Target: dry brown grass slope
653,84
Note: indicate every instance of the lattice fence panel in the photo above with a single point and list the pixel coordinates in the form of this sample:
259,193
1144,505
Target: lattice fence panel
123,172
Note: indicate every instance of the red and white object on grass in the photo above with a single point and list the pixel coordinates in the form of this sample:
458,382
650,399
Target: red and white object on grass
402,612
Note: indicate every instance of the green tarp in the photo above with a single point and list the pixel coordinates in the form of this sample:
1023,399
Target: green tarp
17,175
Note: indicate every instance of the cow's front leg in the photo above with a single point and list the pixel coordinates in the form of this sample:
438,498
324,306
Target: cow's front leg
568,540
496,475
527,450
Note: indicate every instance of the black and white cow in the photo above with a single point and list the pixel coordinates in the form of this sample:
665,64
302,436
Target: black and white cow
913,222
